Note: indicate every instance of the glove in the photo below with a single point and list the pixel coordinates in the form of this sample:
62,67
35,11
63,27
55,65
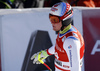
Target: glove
39,57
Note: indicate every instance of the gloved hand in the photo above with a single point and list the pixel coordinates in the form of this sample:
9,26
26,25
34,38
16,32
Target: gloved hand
39,56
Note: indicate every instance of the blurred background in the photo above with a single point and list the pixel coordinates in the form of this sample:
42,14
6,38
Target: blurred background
45,3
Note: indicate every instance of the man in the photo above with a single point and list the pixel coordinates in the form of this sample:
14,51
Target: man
69,47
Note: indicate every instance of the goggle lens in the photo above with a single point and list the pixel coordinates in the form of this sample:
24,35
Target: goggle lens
54,19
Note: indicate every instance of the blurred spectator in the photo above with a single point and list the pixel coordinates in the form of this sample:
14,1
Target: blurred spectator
4,4
7,4
89,3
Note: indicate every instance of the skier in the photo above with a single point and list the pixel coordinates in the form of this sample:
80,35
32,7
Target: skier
69,47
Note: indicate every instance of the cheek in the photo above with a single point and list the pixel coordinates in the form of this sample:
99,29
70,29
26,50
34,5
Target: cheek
60,25
57,26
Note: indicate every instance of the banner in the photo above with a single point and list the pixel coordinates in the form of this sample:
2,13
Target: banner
16,27
91,33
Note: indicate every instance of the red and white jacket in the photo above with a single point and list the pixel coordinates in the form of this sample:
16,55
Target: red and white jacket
68,50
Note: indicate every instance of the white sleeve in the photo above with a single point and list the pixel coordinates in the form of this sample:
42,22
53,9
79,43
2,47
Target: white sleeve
51,50
72,48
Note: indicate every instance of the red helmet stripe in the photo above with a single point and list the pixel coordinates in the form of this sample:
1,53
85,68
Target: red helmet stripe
67,9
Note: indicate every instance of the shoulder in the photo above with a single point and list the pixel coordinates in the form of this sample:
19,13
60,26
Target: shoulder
73,42
71,39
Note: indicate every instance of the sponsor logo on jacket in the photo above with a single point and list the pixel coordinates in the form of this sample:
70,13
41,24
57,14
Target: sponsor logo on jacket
70,54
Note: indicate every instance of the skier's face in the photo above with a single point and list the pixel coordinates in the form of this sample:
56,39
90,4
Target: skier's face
57,26
56,22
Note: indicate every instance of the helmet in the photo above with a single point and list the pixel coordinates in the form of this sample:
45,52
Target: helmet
64,11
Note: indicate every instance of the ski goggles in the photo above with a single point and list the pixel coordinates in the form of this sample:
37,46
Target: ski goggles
54,19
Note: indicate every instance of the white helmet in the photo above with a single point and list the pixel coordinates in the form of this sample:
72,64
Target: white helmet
64,11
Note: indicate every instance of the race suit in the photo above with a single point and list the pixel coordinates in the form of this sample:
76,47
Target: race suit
68,50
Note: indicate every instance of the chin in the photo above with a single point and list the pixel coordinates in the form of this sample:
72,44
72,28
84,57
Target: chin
54,29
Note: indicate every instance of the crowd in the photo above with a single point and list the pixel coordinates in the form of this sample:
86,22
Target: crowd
46,3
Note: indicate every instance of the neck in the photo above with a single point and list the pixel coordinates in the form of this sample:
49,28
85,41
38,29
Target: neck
65,29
